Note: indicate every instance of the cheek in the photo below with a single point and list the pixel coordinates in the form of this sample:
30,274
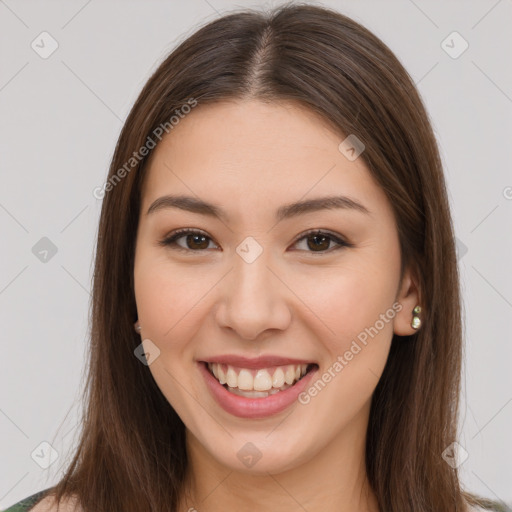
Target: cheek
169,300
165,298
354,303
357,307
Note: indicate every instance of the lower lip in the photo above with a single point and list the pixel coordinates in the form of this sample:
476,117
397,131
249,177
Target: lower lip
254,407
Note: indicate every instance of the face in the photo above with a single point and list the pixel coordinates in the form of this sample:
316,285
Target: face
265,292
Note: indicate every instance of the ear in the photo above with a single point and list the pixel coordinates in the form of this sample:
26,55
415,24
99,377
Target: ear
409,297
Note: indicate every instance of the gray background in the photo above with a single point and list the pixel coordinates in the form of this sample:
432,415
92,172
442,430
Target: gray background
61,116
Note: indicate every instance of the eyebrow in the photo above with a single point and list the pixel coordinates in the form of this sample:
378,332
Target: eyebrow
195,205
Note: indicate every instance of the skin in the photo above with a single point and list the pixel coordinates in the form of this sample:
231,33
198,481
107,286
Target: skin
250,158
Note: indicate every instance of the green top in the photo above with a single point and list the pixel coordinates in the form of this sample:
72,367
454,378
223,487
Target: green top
25,504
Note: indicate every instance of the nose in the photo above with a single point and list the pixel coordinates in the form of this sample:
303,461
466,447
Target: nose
253,299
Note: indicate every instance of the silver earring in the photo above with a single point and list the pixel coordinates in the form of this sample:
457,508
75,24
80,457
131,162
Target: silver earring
138,328
416,320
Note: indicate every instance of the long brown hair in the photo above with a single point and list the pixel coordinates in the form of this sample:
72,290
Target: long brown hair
131,454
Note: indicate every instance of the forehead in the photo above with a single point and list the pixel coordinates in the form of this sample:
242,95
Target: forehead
252,153
233,131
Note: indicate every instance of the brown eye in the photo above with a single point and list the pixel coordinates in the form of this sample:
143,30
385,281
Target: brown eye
195,241
319,242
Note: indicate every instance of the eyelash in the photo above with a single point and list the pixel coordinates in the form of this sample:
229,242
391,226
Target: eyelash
170,240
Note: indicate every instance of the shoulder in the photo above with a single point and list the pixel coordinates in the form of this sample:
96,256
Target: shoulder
26,503
38,502
48,504
489,507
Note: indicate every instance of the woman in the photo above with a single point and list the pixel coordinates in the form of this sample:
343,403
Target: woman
276,311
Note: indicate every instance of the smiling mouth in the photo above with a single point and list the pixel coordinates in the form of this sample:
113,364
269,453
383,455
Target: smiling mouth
258,383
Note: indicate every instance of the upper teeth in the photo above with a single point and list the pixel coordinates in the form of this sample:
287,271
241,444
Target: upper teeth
262,379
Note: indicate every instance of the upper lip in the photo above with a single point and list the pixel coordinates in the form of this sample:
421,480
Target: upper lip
255,362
